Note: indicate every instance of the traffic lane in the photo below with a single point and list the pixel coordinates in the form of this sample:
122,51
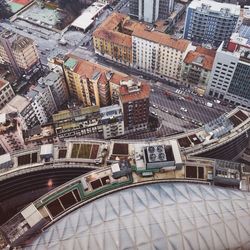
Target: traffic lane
195,111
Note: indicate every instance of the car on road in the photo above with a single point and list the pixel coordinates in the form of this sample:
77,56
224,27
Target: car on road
217,101
183,109
153,113
155,106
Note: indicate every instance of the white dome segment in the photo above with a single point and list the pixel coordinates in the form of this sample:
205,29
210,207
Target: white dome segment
155,216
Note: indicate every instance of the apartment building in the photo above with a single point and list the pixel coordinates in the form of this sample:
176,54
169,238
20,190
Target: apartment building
150,11
42,103
230,77
56,83
113,40
197,67
90,83
6,92
134,100
158,53
112,121
77,122
11,138
19,53
210,22
151,51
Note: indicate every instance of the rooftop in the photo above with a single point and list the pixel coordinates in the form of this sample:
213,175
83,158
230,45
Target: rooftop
92,70
202,56
141,92
17,104
119,29
88,15
67,114
213,6
108,30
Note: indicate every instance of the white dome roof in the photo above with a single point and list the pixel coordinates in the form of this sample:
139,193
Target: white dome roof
155,216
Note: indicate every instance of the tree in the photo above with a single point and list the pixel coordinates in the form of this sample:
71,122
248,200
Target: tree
5,11
74,7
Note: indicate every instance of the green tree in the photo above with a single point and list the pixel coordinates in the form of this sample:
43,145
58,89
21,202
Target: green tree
5,11
74,7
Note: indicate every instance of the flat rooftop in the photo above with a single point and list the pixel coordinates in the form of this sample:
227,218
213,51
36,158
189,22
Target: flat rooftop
216,6
88,15
17,104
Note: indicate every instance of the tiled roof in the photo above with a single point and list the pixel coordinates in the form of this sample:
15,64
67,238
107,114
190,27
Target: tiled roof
203,56
161,38
88,69
143,93
119,29
108,30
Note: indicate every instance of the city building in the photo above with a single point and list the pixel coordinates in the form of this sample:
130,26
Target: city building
112,39
158,53
230,76
42,103
6,92
35,108
88,16
134,100
11,138
112,121
90,83
210,22
149,11
196,68
149,50
56,83
19,53
77,122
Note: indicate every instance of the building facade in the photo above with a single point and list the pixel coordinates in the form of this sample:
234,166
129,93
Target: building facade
90,83
134,100
112,121
19,53
151,51
230,77
113,40
159,54
196,68
210,22
6,92
150,10
56,83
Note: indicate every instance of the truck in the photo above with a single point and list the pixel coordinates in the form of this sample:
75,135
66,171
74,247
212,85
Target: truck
209,104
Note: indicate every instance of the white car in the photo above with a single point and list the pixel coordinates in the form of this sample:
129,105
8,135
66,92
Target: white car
183,109
217,101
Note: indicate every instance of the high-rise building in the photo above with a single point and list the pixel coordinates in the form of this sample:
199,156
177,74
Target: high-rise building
150,10
230,77
56,83
90,83
134,99
19,53
112,121
6,92
210,22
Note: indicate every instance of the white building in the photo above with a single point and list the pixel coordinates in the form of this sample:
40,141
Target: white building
159,54
112,121
88,16
6,92
230,77
210,22
55,81
42,102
